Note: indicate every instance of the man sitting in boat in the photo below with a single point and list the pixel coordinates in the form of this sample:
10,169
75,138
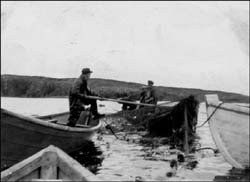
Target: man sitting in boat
77,98
150,97
126,106
142,96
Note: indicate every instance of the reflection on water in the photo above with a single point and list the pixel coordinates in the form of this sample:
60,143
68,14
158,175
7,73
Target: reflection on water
89,155
239,175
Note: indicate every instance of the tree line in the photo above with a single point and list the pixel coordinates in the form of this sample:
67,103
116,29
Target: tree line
36,86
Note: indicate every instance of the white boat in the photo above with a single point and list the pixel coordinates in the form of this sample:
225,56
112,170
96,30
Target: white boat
229,126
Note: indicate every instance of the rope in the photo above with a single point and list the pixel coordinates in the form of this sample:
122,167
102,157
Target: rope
110,128
209,116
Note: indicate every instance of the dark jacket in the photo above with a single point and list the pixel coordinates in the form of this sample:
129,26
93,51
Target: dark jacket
152,97
78,92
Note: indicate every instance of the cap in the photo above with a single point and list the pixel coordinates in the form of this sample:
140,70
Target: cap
86,71
150,82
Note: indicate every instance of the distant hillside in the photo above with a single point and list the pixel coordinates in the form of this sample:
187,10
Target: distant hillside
36,86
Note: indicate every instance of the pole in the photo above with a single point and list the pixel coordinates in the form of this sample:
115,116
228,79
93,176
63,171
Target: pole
123,101
186,147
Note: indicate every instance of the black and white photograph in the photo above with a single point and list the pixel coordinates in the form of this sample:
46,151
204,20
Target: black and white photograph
125,91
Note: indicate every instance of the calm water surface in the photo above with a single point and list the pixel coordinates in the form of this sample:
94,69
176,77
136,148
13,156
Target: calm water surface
123,160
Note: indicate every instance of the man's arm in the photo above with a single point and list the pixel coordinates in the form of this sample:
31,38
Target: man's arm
148,100
76,89
152,98
93,93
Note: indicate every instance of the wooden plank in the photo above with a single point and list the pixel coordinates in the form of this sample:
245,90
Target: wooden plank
30,176
52,121
49,170
23,168
62,175
72,168
57,115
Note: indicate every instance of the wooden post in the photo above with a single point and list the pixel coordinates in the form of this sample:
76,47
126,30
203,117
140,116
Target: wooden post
186,147
49,170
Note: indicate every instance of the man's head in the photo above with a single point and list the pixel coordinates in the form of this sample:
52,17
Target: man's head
150,83
86,73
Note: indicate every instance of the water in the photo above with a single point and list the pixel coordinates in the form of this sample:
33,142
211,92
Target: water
125,159
41,106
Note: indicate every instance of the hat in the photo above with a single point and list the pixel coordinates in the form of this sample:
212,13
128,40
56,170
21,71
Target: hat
86,71
150,82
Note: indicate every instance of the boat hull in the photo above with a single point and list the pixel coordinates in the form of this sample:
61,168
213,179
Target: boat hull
22,136
229,126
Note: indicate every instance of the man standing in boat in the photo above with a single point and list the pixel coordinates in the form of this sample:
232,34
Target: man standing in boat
77,98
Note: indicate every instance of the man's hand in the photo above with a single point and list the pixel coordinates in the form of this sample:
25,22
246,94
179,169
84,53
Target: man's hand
94,94
101,99
97,95
82,96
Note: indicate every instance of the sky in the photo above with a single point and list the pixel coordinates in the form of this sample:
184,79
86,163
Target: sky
190,44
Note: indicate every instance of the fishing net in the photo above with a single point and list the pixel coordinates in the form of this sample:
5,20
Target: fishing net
165,121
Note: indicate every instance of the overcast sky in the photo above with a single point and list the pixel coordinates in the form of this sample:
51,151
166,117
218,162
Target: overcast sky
179,44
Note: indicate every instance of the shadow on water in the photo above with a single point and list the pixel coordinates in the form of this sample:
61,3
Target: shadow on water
234,175
89,156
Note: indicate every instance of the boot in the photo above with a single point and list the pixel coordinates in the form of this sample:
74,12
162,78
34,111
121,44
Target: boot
98,116
71,124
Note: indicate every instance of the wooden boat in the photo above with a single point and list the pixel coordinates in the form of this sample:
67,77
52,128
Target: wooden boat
49,164
164,120
22,136
229,125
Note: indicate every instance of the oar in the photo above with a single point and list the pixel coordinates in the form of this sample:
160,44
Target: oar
124,101
165,102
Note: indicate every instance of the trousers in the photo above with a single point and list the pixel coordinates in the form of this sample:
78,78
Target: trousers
77,106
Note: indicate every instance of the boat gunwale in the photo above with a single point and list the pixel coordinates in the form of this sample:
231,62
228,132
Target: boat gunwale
51,125
45,133
231,107
51,115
